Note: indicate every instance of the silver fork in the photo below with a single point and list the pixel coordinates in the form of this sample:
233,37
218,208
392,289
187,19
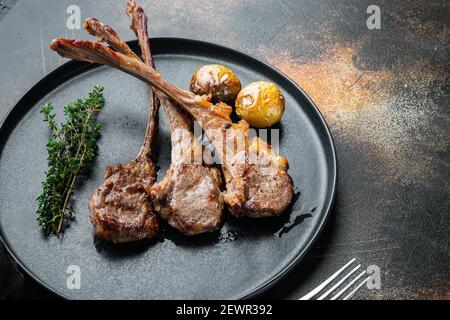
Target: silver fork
351,284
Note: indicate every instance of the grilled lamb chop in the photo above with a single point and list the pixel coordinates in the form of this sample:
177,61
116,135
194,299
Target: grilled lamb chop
189,196
257,182
121,208
186,176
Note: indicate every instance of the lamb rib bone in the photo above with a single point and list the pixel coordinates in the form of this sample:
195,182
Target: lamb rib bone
189,196
121,208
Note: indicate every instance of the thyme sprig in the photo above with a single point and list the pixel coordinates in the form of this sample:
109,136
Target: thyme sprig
71,148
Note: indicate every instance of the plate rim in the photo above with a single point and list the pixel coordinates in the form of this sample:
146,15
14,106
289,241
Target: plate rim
77,67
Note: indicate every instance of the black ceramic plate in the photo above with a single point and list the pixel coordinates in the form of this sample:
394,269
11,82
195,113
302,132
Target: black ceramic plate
240,260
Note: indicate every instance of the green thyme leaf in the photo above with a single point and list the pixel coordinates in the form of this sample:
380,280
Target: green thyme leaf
71,149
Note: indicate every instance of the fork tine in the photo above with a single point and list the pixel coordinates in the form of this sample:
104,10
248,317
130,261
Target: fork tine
326,294
356,289
348,286
326,282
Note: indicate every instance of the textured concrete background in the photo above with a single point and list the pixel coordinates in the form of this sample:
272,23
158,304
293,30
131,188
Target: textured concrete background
384,94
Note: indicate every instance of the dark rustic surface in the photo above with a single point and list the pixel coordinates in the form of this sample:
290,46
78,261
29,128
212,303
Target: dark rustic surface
384,94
